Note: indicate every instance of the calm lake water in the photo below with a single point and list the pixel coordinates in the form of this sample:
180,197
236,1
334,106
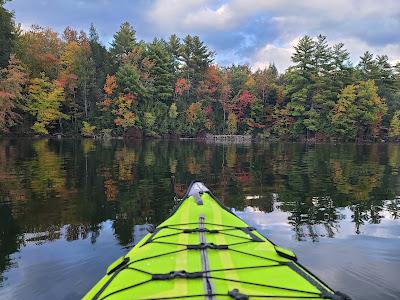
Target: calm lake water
69,208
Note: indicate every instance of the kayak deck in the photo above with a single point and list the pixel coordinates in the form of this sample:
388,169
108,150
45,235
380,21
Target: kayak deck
204,251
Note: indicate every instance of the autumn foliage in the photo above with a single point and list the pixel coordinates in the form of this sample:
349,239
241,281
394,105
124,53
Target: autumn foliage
181,86
13,79
121,106
110,85
70,82
193,112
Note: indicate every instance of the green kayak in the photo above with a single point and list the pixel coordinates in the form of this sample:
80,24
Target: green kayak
204,251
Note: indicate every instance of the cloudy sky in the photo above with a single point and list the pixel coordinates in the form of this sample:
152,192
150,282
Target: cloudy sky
257,32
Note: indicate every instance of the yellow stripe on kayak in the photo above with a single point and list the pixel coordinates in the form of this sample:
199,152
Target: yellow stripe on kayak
168,263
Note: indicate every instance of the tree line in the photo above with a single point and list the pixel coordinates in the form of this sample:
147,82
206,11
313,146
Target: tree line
72,84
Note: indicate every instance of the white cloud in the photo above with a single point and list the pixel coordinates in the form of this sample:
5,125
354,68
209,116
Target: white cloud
358,24
255,31
222,18
271,54
280,56
169,14
357,47
25,26
201,15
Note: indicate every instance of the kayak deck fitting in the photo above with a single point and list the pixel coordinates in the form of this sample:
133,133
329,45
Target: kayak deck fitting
204,251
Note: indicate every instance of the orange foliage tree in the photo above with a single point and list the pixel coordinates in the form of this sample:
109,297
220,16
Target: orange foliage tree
121,105
181,86
12,80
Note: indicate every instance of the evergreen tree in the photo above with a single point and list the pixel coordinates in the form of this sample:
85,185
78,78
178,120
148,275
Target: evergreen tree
7,34
313,84
128,81
380,70
186,54
174,44
85,71
196,59
303,57
299,80
316,113
387,89
367,67
172,86
321,57
332,75
101,59
394,130
238,76
341,71
202,57
339,76
124,42
162,71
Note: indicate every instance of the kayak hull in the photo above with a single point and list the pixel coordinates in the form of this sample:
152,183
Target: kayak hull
204,251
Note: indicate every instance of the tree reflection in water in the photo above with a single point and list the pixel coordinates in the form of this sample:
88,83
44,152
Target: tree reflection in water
67,189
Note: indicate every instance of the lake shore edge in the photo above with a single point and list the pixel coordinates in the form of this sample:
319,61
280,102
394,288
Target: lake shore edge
207,138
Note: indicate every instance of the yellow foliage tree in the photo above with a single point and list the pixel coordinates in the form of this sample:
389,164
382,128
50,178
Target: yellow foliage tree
44,103
232,123
192,112
123,105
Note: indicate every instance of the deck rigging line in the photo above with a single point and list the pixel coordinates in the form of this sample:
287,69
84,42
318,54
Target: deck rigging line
207,273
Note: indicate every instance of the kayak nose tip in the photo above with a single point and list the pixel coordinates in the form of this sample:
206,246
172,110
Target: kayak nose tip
197,187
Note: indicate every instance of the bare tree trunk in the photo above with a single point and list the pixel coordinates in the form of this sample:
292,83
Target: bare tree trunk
74,113
223,128
263,95
60,122
85,99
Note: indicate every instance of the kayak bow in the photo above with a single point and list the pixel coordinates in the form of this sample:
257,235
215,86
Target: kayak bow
204,251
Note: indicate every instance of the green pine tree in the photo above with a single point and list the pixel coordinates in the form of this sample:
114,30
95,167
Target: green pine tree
394,130
128,81
299,82
196,59
162,71
124,42
7,34
101,59
174,44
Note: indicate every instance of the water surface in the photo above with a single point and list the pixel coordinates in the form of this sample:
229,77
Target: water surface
69,208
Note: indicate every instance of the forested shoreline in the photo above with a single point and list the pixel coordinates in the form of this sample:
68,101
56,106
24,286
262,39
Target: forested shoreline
70,84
